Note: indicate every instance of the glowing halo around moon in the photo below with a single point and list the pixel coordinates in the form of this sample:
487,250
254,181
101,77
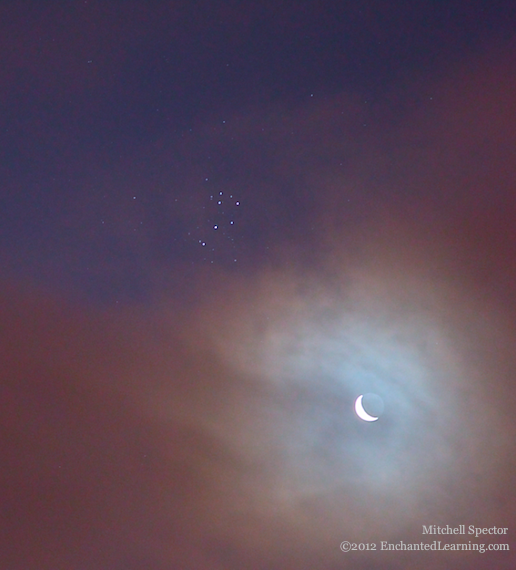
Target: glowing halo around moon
361,413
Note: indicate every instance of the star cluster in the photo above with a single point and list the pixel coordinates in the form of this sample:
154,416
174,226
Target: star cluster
217,233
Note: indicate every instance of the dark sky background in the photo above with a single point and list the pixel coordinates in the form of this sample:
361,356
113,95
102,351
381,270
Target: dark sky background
221,222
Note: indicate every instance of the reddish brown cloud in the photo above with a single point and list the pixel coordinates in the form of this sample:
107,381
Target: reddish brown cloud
220,434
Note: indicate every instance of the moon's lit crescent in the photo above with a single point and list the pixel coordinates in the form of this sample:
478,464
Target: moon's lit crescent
361,413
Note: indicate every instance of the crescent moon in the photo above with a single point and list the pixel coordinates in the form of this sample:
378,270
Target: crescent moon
361,413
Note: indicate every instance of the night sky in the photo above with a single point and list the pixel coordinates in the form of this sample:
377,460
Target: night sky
222,222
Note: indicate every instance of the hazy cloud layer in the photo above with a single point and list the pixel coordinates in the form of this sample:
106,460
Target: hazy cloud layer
219,432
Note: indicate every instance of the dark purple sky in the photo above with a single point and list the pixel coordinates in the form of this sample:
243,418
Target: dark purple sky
121,120
220,223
